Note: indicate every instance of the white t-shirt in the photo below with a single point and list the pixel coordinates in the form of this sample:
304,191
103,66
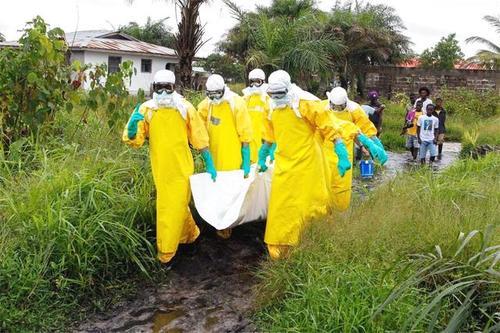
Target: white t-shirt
424,104
427,126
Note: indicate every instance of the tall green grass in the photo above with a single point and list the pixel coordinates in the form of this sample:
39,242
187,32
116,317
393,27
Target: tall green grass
76,223
348,265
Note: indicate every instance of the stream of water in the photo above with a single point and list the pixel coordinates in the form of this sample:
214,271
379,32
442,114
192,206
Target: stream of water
210,290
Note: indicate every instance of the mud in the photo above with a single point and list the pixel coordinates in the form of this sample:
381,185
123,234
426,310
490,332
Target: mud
209,288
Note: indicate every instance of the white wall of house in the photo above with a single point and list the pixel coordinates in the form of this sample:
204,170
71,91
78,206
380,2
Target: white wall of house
140,80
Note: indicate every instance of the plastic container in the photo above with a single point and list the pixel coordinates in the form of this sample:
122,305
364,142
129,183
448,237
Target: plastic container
366,167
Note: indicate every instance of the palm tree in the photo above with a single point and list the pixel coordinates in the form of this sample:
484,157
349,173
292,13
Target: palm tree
289,35
189,37
490,57
372,35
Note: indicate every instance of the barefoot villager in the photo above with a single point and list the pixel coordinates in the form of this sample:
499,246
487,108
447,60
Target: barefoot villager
427,131
440,114
412,142
170,123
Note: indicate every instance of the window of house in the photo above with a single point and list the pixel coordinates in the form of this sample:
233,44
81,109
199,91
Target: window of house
146,65
114,64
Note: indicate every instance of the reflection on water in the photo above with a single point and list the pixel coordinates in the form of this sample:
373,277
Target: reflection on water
403,162
162,319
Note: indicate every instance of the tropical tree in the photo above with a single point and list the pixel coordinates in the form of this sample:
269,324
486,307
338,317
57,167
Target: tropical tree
372,35
289,34
155,32
189,37
489,57
224,65
444,55
311,44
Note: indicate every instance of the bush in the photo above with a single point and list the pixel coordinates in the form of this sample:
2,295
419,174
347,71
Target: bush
468,103
68,234
34,81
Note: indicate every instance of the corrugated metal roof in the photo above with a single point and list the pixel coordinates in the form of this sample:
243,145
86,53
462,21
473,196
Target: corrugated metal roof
127,46
103,40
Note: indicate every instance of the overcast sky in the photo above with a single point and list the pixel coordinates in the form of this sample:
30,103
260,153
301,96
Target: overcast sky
426,20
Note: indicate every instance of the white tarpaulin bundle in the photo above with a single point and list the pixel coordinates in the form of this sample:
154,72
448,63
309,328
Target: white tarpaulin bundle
231,200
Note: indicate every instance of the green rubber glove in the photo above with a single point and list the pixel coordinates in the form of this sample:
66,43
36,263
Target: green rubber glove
271,153
373,148
343,164
264,152
245,156
209,163
378,142
132,123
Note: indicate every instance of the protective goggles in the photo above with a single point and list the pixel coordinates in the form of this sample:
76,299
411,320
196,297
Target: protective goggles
277,94
339,107
256,82
215,94
160,88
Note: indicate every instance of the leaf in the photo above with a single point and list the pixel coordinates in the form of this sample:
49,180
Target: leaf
465,241
31,77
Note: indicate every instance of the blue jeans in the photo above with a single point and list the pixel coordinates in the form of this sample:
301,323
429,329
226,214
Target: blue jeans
427,146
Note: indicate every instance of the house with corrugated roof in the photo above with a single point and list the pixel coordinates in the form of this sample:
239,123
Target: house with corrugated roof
112,48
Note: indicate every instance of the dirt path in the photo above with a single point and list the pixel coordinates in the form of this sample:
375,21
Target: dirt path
210,290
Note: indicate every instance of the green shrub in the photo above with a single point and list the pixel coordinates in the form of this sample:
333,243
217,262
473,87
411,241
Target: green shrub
469,103
76,220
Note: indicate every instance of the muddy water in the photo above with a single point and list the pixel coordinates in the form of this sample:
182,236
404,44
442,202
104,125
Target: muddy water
210,287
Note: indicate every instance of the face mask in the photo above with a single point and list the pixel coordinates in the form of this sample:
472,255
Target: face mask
280,101
215,96
164,99
254,90
338,108
256,83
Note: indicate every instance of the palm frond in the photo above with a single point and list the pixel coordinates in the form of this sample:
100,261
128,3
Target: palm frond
494,21
481,40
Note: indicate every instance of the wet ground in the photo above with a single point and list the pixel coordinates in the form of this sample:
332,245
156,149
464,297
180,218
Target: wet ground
209,288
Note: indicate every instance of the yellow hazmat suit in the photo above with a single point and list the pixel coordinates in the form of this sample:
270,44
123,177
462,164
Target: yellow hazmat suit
353,114
258,107
229,125
170,131
299,190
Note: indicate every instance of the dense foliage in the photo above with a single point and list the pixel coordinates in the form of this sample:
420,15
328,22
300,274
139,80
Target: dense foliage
444,55
155,32
224,65
314,45
37,81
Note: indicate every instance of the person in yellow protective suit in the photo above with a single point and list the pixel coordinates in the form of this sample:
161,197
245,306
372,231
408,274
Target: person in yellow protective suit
348,113
299,190
170,123
257,102
229,129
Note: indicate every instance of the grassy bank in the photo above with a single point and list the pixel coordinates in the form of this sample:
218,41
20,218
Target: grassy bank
76,224
348,265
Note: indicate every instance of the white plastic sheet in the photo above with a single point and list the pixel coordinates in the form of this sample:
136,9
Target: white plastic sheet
231,200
